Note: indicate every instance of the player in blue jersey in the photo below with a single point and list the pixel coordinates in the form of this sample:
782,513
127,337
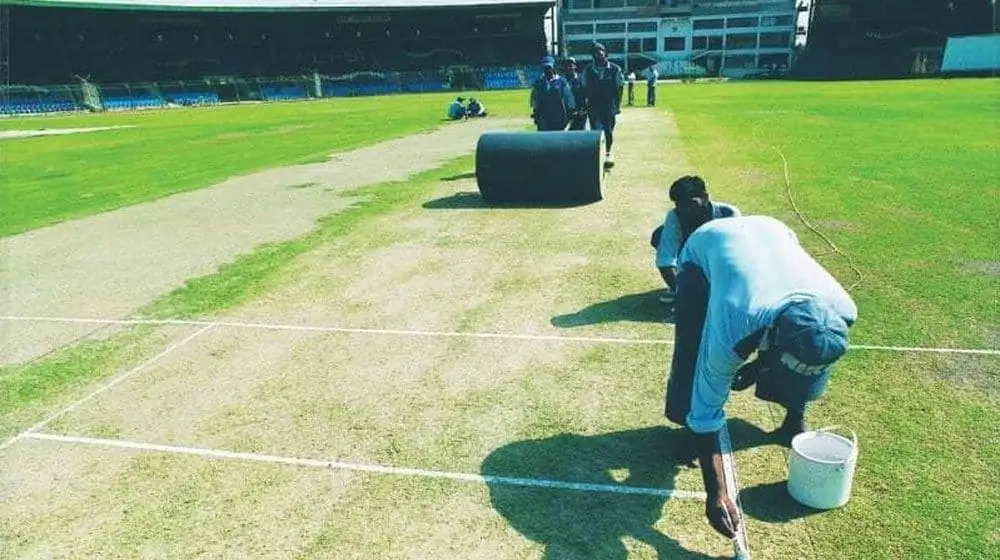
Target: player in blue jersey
456,110
746,286
551,99
603,82
578,118
692,208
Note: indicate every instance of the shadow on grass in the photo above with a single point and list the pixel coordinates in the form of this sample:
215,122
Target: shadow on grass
580,524
772,503
644,307
468,200
460,176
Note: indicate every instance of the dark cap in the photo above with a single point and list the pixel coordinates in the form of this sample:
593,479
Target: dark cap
810,337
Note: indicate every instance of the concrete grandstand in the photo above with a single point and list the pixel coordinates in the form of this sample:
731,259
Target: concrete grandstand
127,54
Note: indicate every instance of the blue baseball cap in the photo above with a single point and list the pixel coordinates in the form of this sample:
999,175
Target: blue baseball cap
549,61
810,337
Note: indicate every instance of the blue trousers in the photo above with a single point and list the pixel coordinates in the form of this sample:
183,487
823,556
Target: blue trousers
777,385
604,120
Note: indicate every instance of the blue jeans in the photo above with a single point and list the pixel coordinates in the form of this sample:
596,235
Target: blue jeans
777,385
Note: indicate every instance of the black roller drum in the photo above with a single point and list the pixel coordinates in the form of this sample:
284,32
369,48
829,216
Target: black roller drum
539,167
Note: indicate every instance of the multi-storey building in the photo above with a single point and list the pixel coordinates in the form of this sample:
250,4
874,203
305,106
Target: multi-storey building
723,37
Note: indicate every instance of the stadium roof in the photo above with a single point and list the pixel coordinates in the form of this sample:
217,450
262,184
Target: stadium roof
276,5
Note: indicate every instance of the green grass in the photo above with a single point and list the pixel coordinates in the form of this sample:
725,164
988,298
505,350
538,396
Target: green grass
903,176
47,180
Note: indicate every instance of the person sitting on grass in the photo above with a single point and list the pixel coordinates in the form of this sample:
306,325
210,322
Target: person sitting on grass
476,108
746,285
692,208
456,110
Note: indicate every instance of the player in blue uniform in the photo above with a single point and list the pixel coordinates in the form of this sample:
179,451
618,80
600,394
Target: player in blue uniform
603,82
578,118
692,208
551,99
745,285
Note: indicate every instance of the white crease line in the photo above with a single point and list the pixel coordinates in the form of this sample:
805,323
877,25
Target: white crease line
444,334
105,387
732,485
377,469
347,330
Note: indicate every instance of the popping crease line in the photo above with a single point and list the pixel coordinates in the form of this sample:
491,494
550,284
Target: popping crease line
373,468
443,334
105,387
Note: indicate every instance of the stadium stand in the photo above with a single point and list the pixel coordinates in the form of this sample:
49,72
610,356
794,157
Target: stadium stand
227,51
871,39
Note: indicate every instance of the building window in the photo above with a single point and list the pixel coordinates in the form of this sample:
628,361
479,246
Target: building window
635,45
741,61
611,28
708,24
642,27
741,41
581,4
699,43
741,22
776,21
579,47
775,40
715,42
649,45
674,44
773,61
578,29
615,45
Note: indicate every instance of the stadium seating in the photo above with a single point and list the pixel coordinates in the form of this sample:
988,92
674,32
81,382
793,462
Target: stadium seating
425,84
352,90
501,78
283,93
44,103
127,102
191,98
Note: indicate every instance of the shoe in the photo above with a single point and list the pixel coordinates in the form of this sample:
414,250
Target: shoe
609,160
668,297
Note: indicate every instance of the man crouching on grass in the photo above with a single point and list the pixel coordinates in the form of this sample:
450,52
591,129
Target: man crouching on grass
692,208
745,285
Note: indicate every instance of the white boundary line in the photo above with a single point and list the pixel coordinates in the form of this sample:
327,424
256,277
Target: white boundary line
104,387
376,469
732,488
448,334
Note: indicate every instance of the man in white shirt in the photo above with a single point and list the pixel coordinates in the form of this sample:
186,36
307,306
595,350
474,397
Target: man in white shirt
746,285
692,208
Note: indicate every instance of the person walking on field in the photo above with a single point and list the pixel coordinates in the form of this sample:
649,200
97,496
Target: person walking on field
603,82
551,99
578,118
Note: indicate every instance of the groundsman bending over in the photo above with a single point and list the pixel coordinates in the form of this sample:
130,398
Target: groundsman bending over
745,285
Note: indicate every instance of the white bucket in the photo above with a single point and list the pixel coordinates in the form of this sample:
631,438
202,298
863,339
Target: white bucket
821,468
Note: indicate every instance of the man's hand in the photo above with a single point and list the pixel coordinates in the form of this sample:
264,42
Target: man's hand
722,515
747,375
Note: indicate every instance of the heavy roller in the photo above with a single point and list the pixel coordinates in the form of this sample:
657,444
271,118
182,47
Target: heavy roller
557,168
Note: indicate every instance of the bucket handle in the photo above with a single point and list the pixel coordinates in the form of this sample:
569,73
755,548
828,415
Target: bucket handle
854,439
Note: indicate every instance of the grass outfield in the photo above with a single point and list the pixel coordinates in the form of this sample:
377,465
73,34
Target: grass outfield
51,179
901,175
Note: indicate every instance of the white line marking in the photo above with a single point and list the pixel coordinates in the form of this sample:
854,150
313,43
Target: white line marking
377,469
348,330
732,487
442,334
105,387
